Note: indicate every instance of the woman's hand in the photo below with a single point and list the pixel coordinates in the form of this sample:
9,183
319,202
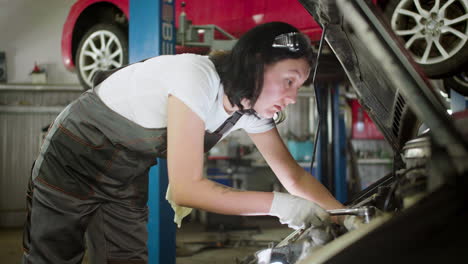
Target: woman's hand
352,222
294,178
297,212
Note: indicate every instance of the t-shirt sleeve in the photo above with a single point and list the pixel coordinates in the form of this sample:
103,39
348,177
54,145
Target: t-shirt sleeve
256,125
195,85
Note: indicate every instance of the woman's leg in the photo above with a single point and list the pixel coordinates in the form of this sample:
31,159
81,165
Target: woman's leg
118,234
54,232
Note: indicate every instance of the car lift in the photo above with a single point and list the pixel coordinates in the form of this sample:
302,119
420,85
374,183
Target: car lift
189,35
330,133
152,34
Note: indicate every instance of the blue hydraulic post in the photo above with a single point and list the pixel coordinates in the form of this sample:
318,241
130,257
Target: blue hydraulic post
339,148
331,143
152,33
318,153
458,102
318,162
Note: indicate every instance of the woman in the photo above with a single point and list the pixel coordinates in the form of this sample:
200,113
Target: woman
92,172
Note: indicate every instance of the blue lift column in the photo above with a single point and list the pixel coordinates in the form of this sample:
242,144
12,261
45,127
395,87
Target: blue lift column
458,102
331,145
339,145
152,33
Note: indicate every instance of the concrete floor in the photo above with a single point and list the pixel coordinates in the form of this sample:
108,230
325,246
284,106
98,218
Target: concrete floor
195,245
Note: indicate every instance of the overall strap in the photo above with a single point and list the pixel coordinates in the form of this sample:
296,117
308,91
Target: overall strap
229,123
212,138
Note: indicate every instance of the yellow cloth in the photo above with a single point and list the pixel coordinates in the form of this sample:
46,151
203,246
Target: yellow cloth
179,211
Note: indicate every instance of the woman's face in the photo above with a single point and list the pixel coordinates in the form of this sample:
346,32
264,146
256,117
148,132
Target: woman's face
281,82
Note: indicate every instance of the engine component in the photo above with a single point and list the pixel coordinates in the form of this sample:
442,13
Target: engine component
366,212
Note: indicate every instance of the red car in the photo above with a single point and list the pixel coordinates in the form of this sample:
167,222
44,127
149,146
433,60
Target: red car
95,33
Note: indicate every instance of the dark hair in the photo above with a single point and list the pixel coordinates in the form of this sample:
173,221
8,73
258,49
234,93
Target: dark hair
241,70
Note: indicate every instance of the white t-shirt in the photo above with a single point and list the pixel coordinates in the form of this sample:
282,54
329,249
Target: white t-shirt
140,91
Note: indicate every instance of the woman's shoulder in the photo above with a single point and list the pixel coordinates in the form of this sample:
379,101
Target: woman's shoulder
181,60
193,65
182,68
194,59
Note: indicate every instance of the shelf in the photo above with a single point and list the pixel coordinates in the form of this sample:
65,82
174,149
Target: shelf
19,109
375,161
306,163
41,87
303,164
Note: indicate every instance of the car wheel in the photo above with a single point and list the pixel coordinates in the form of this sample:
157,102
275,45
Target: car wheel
458,82
434,31
103,47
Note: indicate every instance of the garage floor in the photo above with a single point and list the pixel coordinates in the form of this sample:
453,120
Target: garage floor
195,244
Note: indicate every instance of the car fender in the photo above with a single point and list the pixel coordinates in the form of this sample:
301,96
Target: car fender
68,28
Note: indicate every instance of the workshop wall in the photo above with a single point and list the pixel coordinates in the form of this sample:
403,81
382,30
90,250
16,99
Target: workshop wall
24,115
31,32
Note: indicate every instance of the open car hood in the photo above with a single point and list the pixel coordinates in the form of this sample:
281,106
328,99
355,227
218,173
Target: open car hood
388,83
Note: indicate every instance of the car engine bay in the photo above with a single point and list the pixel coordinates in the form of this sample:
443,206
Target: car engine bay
387,199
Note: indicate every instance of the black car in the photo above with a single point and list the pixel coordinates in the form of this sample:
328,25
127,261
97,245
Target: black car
419,212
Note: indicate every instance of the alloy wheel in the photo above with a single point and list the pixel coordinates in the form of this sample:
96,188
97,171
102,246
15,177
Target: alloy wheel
102,50
433,31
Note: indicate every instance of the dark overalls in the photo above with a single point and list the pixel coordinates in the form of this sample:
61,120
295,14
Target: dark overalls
92,175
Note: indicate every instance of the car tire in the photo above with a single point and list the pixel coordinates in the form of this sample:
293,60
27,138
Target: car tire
458,82
103,47
437,45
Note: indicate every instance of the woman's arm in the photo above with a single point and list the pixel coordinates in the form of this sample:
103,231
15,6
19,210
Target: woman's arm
293,177
185,165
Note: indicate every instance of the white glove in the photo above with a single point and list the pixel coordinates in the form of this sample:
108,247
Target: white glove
352,222
297,212
320,236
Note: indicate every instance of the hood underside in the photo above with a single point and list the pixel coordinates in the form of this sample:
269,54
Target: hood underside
388,83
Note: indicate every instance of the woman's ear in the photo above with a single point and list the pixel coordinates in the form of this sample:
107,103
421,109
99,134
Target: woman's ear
246,103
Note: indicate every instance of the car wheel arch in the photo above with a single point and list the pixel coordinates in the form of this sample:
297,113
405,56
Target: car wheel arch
97,13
